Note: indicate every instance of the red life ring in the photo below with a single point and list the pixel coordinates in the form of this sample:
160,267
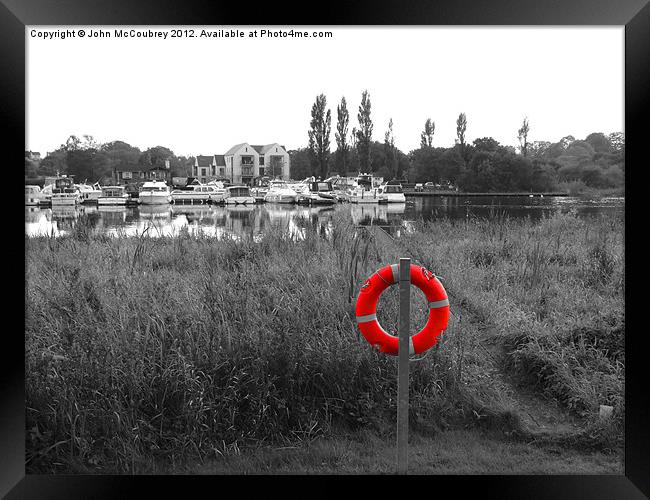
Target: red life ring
366,309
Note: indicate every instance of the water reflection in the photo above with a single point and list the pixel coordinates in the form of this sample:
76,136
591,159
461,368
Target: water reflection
240,221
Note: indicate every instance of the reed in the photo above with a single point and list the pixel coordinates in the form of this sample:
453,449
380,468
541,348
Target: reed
148,349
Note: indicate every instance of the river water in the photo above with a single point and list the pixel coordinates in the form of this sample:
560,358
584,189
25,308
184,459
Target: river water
214,220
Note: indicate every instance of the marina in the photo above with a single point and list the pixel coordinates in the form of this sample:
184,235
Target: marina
241,220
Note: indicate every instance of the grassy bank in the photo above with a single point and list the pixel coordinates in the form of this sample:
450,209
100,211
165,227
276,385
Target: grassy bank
146,351
579,188
451,452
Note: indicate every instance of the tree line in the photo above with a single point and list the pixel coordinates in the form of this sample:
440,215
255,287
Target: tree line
91,161
484,165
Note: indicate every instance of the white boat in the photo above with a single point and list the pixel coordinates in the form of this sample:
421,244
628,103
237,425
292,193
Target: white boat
219,193
280,192
300,188
238,195
89,194
198,193
64,194
46,195
391,193
365,189
343,186
155,193
369,181
113,195
259,193
361,195
320,193
260,188
33,195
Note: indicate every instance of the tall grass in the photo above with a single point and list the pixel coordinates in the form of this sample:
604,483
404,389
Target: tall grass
141,350
552,294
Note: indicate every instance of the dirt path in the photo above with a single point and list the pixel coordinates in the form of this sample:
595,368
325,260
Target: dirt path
541,416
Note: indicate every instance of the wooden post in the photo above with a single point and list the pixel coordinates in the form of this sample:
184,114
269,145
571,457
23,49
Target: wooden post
403,365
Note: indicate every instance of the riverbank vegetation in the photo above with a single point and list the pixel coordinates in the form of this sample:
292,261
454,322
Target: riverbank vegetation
147,352
596,162
483,165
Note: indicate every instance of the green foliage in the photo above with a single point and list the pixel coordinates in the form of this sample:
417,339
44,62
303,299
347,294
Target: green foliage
301,166
426,137
522,136
319,134
341,135
364,133
599,142
91,161
167,348
392,165
461,127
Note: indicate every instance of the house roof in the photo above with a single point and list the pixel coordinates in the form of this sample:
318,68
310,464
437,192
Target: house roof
234,149
260,148
264,149
221,160
204,161
138,168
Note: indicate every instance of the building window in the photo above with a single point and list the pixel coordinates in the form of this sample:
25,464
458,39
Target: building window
222,171
261,171
261,160
202,172
213,169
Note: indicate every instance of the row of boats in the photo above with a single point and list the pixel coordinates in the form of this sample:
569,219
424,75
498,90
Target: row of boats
362,189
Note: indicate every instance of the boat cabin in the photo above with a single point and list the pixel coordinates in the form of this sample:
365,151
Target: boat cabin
238,191
392,189
320,187
64,185
113,191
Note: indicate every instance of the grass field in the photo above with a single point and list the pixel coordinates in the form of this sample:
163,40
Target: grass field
189,353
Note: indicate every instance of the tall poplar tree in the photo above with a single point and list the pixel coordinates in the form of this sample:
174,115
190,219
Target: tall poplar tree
426,137
522,135
461,127
341,134
364,134
319,134
389,147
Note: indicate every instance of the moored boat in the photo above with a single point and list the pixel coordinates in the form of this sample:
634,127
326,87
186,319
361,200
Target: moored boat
197,193
219,193
46,195
89,194
238,195
113,195
320,193
280,192
64,194
259,188
155,193
33,195
361,195
391,193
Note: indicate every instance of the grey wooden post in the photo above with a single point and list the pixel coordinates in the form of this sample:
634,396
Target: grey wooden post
403,365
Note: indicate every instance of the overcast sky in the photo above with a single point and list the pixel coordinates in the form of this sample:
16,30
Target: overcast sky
203,95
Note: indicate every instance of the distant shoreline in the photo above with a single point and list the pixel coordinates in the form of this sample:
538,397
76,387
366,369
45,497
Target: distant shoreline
458,193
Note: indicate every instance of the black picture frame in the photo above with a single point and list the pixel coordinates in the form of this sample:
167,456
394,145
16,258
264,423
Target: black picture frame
634,14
